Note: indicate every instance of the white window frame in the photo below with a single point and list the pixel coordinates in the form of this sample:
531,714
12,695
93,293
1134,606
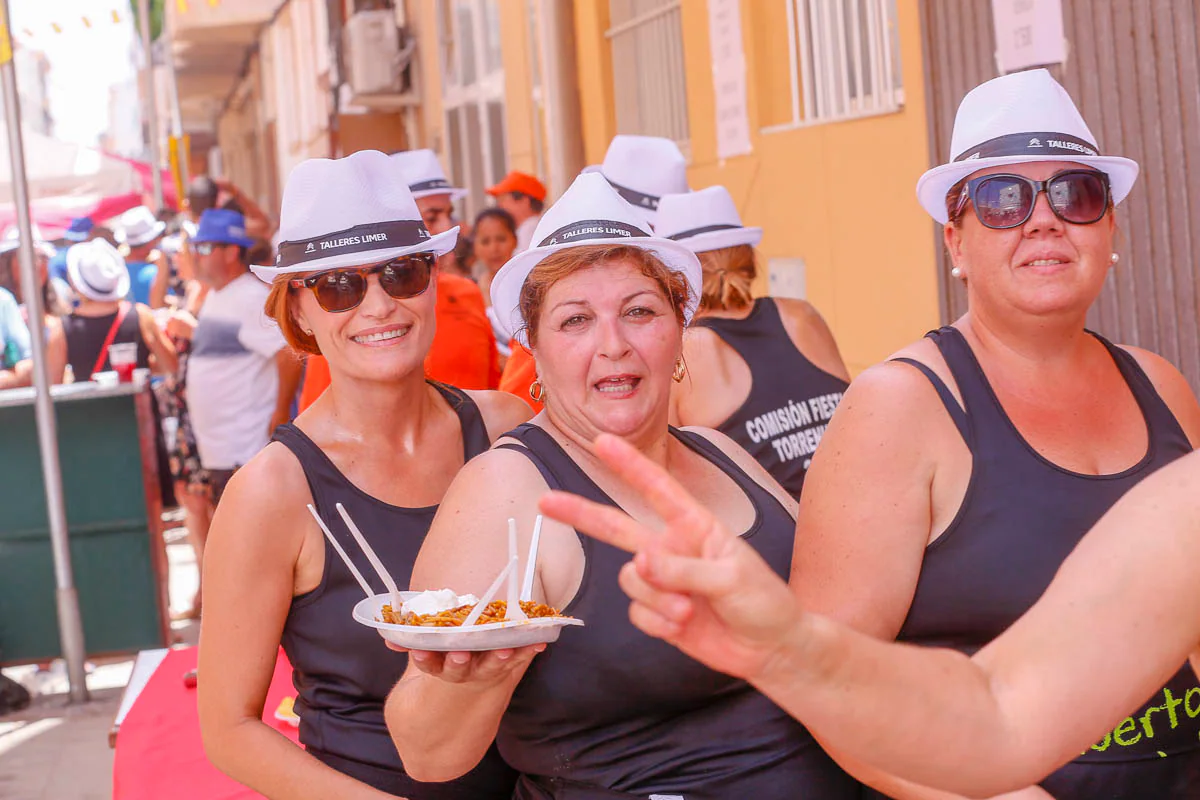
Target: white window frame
824,88
651,97
487,88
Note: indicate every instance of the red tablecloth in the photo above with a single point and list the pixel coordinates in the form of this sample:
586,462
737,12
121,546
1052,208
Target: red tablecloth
159,753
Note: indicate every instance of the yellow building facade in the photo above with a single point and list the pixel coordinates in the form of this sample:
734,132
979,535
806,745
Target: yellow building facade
838,196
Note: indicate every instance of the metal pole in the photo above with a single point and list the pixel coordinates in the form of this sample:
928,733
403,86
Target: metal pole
151,103
70,623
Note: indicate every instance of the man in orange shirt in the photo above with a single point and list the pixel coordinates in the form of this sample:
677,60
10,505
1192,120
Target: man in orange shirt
467,358
464,350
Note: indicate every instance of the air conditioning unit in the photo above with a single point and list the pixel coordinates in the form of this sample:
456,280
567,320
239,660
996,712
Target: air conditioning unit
371,50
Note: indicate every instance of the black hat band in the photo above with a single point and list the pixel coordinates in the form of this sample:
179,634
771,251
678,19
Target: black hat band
593,229
433,183
359,239
634,197
1046,143
706,229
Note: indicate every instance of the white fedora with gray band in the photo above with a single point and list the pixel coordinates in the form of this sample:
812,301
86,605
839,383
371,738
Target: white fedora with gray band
1017,119
590,212
139,226
12,240
97,271
704,220
425,175
642,169
348,212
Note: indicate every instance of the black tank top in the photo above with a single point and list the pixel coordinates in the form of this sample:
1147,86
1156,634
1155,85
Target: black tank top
790,401
342,670
607,712
1020,518
85,336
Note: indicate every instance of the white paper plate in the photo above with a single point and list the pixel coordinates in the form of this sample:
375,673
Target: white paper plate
493,636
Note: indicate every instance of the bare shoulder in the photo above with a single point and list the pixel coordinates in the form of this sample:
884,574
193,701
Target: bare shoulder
265,504
1172,387
501,411
748,465
812,335
468,541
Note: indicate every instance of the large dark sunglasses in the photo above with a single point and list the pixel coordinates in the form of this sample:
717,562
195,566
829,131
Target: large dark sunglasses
343,289
1001,201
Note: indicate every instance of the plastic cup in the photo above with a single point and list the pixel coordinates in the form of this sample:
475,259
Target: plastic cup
123,358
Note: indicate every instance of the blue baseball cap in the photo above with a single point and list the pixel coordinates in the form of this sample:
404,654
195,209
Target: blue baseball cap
222,226
79,230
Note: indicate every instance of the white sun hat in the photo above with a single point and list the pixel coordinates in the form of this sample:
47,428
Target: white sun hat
642,169
346,212
139,226
12,240
1017,119
704,220
590,212
97,271
424,174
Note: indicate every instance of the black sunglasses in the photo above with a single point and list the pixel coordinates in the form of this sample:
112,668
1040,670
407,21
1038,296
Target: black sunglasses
1002,201
343,289
206,248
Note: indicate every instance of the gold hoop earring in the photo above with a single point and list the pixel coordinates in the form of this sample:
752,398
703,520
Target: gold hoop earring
536,391
680,371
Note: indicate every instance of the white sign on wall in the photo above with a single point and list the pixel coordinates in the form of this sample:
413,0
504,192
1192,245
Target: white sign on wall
1029,33
788,277
729,77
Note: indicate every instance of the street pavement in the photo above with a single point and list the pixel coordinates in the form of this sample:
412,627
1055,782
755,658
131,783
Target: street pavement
57,751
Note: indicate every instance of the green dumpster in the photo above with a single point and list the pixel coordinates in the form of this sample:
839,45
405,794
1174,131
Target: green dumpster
109,467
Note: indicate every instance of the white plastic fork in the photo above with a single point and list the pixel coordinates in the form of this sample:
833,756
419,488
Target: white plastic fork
380,569
366,587
513,608
531,563
477,611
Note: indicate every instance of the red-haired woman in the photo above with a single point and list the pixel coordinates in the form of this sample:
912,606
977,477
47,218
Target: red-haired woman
353,283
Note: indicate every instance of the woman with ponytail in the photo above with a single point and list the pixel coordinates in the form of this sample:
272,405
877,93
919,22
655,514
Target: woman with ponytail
766,372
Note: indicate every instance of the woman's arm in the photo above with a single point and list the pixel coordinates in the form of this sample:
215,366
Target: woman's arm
162,279
166,360
812,336
1117,620
56,348
1173,388
257,537
444,713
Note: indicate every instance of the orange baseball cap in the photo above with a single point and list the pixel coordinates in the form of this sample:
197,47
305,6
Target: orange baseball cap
521,182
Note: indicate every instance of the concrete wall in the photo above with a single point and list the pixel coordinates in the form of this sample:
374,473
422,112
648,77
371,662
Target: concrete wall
840,195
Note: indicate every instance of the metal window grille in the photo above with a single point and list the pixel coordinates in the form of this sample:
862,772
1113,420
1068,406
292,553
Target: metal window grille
649,84
473,96
844,57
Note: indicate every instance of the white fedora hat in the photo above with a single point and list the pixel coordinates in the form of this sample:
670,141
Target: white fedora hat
424,174
346,212
97,271
704,220
642,169
589,212
1017,119
139,226
12,240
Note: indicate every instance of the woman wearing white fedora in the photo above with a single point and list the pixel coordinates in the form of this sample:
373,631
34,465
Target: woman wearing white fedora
643,170
956,478
605,712
766,373
103,317
352,281
54,304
